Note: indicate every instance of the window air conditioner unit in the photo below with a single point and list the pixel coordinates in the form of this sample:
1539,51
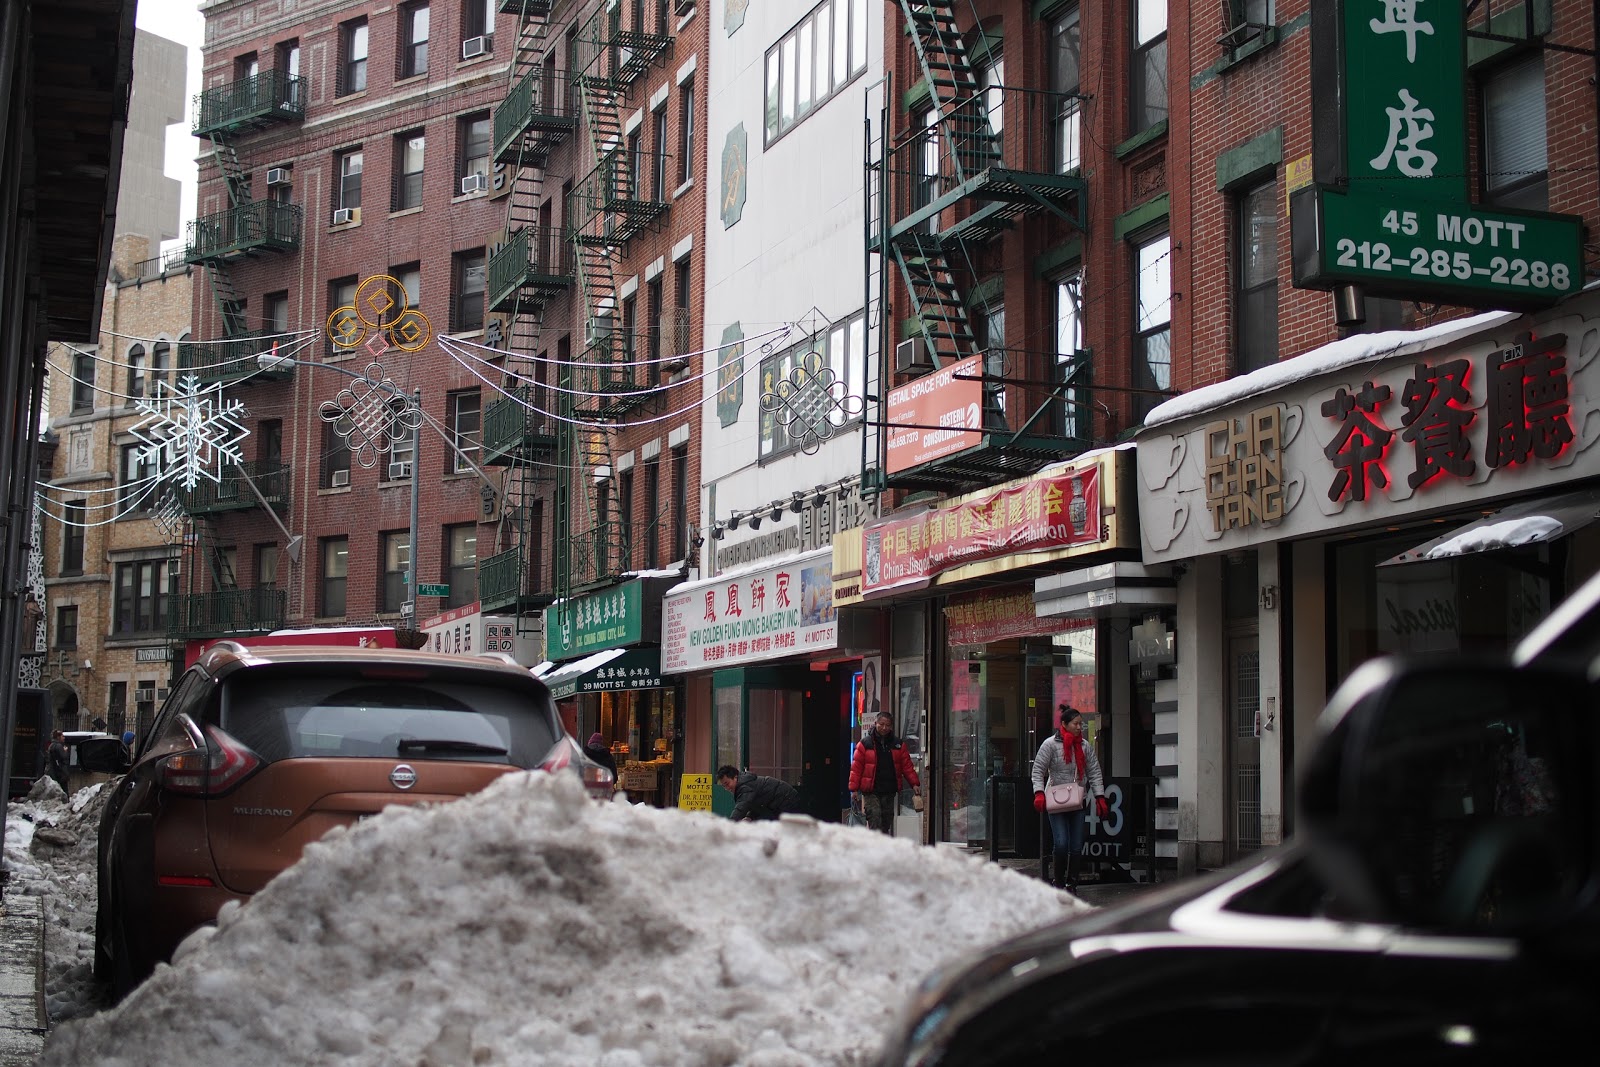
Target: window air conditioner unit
277,175
343,215
474,183
474,46
912,355
399,470
144,695
339,478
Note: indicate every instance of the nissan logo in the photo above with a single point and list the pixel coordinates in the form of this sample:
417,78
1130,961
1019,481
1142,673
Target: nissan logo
403,776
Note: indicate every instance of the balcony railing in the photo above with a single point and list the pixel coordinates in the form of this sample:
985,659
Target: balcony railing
250,103
232,359
533,266
525,8
500,580
626,192
227,611
535,116
232,493
257,226
634,47
517,426
1008,150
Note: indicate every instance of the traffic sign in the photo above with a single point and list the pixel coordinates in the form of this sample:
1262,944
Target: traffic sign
424,589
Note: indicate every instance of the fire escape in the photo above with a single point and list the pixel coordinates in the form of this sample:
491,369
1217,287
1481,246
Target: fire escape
624,194
529,269
247,228
981,159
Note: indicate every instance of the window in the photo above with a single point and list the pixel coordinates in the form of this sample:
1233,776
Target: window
407,171
1152,365
473,136
462,564
991,337
409,275
477,20
1074,416
464,408
287,61
843,347
225,566
658,167
680,503
652,513
686,132
630,327
926,190
1516,163
534,560
396,556
82,382
335,574
1065,50
67,626
352,57
75,514
348,191
400,448
117,707
143,592
133,491
413,40
138,374
633,160
824,52
1248,19
341,294
1149,68
336,453
625,515
652,322
678,334
160,363
267,566
466,312
275,312
991,79
1255,304
246,66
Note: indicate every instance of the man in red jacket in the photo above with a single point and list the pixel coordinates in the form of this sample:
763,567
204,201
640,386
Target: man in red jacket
880,768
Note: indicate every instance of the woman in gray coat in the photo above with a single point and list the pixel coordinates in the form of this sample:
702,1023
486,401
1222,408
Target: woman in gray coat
1063,759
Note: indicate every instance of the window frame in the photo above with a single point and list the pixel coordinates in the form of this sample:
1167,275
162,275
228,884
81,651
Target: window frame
131,471
851,331
1147,56
686,131
462,265
347,183
1250,306
407,190
463,440
467,141
138,375
83,382
1530,191
335,454
1071,412
461,570
680,502
1152,318
134,610
413,50
394,563
333,588
74,535
784,61
355,43
64,612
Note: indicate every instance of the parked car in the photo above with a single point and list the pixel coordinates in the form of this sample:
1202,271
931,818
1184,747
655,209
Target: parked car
1440,902
258,752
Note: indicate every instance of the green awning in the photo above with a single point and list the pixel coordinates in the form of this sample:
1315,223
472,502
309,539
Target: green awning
613,669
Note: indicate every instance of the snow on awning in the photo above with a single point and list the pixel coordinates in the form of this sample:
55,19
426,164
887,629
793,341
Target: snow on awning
1527,522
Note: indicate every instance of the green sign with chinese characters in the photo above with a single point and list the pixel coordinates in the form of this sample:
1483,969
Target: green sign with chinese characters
1456,253
730,375
606,618
1404,72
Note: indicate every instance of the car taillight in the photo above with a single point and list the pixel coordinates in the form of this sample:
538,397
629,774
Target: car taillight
596,779
217,769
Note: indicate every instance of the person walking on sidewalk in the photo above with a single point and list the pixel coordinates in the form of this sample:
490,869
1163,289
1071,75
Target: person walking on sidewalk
1064,759
881,768
57,761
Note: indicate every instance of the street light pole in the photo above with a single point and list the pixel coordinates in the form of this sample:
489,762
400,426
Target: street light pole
416,495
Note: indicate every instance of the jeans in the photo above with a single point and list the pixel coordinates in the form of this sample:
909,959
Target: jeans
1067,831
880,810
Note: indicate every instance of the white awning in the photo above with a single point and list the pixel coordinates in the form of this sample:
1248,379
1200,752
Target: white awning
1526,522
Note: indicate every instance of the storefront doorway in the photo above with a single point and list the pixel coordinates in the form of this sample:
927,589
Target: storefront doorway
784,722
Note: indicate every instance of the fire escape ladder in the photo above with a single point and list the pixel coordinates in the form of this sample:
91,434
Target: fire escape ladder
942,54
936,301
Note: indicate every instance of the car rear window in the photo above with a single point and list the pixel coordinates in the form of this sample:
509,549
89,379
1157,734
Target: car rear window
287,716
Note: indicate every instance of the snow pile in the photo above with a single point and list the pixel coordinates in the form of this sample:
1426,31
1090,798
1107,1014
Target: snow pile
529,925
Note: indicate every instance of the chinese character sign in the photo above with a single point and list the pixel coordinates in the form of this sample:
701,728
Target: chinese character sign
1405,94
609,618
757,615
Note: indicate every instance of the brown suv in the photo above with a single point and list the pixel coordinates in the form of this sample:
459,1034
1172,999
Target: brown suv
259,751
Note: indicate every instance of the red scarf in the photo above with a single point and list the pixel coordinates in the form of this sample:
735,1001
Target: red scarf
1072,749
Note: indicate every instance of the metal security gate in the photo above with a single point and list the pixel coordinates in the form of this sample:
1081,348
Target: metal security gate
1244,703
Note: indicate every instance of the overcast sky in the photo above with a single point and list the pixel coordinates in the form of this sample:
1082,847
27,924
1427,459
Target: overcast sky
179,20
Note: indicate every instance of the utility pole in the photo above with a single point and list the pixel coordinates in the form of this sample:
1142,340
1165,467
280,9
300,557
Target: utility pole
416,496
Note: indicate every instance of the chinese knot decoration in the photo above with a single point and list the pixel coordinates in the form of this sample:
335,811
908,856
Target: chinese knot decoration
811,403
371,414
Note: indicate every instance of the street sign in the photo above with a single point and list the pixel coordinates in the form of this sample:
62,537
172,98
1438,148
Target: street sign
424,589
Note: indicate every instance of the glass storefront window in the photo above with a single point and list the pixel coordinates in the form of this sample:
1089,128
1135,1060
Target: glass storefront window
727,705
775,734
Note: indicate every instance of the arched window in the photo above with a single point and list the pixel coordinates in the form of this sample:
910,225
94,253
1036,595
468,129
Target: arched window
138,373
160,363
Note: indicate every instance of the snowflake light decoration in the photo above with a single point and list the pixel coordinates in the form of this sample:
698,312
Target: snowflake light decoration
811,403
371,414
189,432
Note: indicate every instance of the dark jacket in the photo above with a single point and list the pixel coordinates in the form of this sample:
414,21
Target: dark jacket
57,761
756,796
864,765
602,755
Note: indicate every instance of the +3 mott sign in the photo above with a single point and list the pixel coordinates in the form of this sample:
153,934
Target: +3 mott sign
1390,207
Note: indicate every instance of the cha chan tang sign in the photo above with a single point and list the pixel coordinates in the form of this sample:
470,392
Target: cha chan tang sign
934,416
1058,510
751,616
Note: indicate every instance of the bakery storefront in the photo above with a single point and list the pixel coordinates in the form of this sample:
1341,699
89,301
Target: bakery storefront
1431,492
758,650
987,667
605,677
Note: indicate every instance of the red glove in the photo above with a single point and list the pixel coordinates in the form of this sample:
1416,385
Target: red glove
1101,808
1038,802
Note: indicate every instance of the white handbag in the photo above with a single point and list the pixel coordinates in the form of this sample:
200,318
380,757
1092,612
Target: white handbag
1068,797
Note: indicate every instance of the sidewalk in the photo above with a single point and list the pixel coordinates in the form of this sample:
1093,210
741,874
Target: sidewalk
23,1024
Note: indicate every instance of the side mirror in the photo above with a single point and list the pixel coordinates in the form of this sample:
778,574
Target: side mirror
1457,796
105,755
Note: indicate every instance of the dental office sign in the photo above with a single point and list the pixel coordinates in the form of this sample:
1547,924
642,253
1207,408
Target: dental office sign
1390,208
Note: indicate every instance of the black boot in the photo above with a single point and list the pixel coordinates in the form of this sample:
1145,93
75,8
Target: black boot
1072,873
1059,873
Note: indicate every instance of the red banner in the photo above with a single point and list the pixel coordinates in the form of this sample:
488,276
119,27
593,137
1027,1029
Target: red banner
1056,511
997,616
